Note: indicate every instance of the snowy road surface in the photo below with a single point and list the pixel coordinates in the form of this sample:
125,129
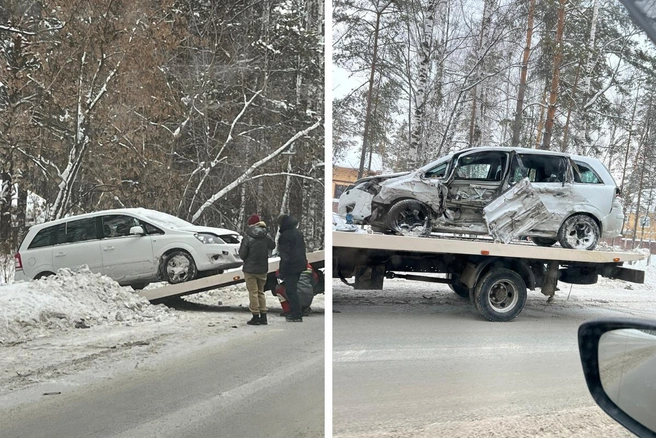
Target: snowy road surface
197,370
416,360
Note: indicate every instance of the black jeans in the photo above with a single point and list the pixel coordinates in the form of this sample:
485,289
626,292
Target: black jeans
291,289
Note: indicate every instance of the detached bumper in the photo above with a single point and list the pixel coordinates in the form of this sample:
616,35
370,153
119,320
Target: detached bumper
358,201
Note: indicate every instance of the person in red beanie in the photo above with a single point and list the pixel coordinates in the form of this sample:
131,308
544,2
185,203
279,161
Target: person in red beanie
254,251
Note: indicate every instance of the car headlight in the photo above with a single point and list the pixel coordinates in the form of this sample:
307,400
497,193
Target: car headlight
207,238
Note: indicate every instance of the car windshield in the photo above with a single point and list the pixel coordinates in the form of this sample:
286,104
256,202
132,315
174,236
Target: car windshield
436,169
167,219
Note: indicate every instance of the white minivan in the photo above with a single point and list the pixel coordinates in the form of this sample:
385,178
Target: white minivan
133,246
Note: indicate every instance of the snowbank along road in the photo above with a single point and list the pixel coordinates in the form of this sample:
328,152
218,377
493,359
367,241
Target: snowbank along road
79,343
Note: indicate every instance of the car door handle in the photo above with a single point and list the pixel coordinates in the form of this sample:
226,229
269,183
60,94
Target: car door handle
108,248
60,254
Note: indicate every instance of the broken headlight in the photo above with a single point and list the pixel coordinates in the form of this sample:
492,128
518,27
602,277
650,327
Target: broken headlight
207,238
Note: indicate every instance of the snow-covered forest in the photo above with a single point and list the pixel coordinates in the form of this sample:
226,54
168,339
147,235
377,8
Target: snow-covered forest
207,109
427,77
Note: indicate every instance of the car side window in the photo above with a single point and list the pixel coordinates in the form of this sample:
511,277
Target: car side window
586,175
539,168
45,237
150,229
117,225
81,230
483,166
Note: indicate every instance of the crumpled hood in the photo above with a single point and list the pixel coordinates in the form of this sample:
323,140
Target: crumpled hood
402,179
211,230
382,177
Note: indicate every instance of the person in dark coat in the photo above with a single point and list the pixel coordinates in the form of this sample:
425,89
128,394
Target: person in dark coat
254,251
293,261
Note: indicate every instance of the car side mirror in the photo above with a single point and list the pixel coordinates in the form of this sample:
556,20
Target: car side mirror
619,363
137,230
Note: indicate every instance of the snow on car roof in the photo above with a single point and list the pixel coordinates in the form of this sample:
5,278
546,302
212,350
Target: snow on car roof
137,211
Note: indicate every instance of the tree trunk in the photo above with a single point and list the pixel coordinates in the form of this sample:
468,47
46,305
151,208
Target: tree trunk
563,145
555,76
6,190
478,91
372,72
517,125
417,141
538,136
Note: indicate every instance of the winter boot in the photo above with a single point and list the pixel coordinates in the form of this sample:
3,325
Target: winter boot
255,320
263,319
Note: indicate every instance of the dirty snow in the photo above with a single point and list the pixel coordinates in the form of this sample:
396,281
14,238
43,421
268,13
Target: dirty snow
72,298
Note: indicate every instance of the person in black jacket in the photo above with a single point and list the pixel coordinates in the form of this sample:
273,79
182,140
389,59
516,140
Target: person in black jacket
254,251
293,261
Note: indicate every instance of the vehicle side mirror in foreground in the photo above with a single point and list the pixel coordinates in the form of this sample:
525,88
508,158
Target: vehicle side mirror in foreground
619,363
138,230
643,14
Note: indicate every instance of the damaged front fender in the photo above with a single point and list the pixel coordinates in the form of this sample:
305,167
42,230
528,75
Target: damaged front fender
431,192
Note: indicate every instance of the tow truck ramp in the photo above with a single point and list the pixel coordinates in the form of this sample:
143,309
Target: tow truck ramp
228,278
494,276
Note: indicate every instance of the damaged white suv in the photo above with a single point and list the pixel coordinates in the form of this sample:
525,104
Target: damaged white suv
505,192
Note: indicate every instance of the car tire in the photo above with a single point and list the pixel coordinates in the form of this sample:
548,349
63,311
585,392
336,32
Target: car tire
409,217
500,295
543,241
139,286
579,232
43,275
178,266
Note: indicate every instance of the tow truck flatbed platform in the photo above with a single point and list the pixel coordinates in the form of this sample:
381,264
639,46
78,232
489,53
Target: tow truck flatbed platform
477,246
228,278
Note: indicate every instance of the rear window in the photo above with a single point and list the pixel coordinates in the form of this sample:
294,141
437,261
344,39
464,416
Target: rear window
45,237
586,175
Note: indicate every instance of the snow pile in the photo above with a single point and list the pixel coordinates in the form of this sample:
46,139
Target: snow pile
70,299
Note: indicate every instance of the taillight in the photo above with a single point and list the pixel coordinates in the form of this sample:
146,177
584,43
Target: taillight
18,262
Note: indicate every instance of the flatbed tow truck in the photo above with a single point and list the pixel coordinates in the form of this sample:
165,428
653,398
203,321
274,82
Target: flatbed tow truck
494,276
228,278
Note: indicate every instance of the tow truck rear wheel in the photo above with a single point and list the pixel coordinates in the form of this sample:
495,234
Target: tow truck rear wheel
409,217
500,295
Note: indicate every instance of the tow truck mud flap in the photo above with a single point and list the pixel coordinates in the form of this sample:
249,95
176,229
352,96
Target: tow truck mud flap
627,274
515,212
